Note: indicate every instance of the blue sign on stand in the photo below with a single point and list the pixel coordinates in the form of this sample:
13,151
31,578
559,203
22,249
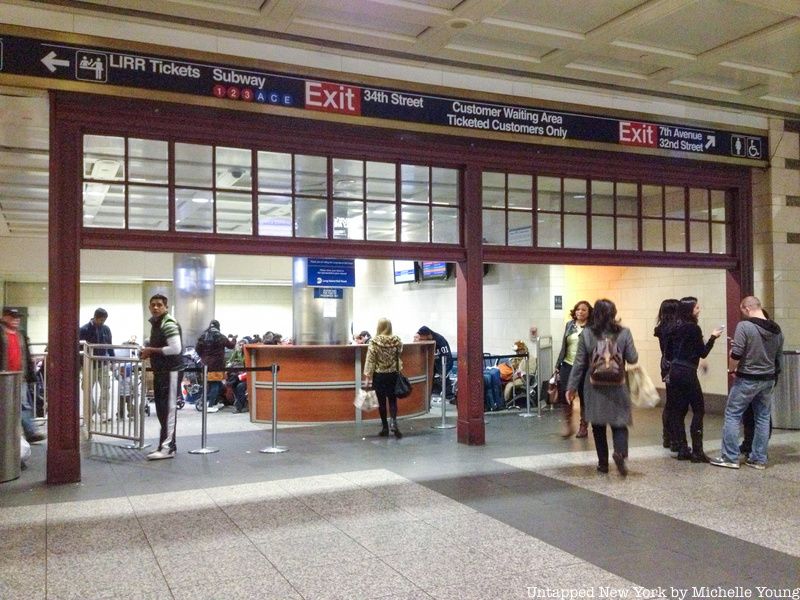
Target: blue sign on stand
329,293
331,273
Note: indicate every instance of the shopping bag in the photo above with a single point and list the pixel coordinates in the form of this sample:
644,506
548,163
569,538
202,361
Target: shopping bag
370,401
643,391
366,400
359,401
24,450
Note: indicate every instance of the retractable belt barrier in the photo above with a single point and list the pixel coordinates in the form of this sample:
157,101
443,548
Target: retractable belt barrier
274,368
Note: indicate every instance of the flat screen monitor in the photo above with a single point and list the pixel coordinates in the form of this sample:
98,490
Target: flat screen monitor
405,271
434,270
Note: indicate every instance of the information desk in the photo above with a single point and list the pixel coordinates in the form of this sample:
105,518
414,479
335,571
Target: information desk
319,383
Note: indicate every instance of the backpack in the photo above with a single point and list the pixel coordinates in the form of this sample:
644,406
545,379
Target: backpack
205,342
606,366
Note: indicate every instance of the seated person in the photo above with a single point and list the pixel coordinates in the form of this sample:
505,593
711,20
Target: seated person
492,400
236,390
513,375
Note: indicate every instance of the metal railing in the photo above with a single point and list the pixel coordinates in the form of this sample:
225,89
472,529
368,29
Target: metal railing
113,393
544,366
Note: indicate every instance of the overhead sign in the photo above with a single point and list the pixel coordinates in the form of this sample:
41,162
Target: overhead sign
331,273
102,66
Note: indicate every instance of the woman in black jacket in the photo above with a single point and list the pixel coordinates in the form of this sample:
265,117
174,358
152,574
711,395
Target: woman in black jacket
664,322
685,348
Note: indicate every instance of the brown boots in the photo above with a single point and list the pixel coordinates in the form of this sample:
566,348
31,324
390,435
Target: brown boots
568,428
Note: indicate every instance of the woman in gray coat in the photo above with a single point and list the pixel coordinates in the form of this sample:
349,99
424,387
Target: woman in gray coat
606,404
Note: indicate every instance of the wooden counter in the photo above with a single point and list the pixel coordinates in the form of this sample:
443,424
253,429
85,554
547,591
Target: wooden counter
318,383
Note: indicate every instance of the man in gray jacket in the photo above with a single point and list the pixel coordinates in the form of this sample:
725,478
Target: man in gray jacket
755,360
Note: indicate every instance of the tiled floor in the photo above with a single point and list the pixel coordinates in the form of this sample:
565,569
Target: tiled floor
346,514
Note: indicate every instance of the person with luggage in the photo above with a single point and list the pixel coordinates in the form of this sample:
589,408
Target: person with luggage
603,349
164,349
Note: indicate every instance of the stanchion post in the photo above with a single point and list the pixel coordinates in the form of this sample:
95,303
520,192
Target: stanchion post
274,449
444,424
204,416
528,412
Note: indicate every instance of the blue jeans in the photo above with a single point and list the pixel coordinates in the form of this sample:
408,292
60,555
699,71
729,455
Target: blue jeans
26,411
746,392
492,393
214,388
240,395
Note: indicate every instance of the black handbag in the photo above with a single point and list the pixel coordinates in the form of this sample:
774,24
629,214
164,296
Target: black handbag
402,387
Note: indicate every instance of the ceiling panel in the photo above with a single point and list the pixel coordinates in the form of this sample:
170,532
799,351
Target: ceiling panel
580,16
442,4
367,15
781,55
241,4
511,31
591,42
523,46
614,66
702,26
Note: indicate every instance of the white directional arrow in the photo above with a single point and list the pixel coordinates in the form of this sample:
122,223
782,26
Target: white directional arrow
711,142
51,62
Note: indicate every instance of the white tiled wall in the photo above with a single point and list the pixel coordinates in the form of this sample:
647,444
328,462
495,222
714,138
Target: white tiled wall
777,275
407,305
638,292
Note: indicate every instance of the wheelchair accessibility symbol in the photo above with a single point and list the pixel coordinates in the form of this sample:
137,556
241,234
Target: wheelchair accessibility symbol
745,146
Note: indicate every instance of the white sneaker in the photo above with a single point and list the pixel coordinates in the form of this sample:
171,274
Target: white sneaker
212,409
723,462
161,454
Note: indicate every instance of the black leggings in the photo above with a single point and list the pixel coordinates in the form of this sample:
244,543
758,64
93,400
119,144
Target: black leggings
383,384
666,414
619,437
686,392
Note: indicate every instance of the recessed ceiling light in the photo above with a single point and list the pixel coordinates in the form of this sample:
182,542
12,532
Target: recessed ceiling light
459,23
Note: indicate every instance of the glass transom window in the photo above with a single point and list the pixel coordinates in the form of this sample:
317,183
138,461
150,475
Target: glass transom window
158,185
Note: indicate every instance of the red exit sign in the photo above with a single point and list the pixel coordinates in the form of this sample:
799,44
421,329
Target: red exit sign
333,97
632,133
